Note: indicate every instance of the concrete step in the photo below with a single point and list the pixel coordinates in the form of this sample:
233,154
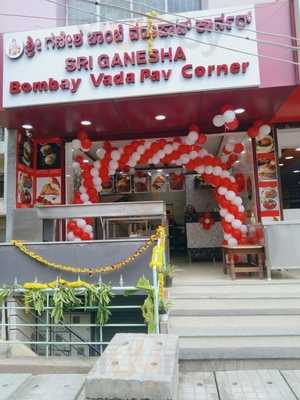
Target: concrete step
258,325
225,306
239,348
232,291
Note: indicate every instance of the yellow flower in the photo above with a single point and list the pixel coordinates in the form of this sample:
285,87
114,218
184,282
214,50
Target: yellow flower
35,285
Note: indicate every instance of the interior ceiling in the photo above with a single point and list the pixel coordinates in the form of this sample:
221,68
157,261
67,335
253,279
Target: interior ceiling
135,117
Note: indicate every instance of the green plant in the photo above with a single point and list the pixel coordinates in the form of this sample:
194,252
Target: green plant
64,299
163,306
148,306
4,293
34,299
169,271
100,296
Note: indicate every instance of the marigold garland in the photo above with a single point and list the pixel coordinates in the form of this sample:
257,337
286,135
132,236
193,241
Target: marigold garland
90,270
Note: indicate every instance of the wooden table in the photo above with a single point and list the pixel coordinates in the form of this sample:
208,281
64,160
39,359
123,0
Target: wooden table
245,250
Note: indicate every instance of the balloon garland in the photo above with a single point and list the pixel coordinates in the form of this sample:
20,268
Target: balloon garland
226,118
206,221
259,130
186,152
230,153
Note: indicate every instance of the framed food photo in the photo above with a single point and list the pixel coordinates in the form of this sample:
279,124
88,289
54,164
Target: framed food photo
123,183
177,181
109,186
25,151
48,190
48,156
269,199
266,168
158,182
141,182
24,190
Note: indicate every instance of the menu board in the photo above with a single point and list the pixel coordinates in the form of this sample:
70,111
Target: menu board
267,177
177,181
158,182
141,182
123,183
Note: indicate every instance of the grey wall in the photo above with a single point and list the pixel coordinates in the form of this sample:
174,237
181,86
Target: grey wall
15,264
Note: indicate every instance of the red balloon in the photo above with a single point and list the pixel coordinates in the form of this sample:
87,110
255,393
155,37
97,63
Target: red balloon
194,127
233,209
77,231
82,135
72,225
207,160
202,138
236,234
85,236
252,132
86,143
232,125
226,182
89,220
238,148
232,158
227,228
258,123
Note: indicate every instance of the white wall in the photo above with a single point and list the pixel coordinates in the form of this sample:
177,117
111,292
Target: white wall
230,3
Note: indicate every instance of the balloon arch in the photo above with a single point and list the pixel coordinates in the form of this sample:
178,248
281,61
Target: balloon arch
186,152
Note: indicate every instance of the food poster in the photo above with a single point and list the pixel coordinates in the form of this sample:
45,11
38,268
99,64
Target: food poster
158,182
123,183
141,182
24,189
48,156
48,190
25,151
109,186
267,177
176,181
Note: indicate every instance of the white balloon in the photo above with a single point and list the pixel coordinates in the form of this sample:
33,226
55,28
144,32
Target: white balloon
75,165
225,174
224,158
135,156
141,148
98,188
94,172
192,137
147,144
81,222
84,197
208,169
203,153
241,209
70,236
229,217
230,195
244,229
223,212
229,116
155,159
227,236
218,121
113,164
222,190
185,159
178,162
115,155
161,154
97,164
237,201
175,145
111,172
77,239
193,155
217,171
100,153
200,169
76,144
264,130
88,229
229,147
236,223
82,189
231,178
232,242
96,181
168,148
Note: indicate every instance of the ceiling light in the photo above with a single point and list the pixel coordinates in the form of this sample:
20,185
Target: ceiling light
281,165
289,157
243,152
298,149
27,126
237,161
86,122
160,117
86,161
239,110
296,171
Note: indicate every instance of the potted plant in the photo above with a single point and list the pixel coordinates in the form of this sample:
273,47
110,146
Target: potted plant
163,310
169,276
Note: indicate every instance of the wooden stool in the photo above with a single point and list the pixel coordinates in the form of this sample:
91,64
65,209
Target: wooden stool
245,250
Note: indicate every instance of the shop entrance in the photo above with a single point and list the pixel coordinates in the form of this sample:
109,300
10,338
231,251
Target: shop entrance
188,178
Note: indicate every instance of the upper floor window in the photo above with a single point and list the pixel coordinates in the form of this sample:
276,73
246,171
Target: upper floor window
82,13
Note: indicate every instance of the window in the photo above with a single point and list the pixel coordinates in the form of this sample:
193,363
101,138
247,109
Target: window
81,13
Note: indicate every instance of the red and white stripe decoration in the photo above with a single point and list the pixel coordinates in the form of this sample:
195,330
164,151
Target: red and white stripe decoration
227,117
186,152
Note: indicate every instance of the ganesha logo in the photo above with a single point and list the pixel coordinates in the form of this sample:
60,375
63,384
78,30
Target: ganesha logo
14,48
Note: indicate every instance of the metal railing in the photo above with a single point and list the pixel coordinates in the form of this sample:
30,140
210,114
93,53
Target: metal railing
44,326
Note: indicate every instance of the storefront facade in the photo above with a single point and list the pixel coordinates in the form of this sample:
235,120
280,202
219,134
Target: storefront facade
169,120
